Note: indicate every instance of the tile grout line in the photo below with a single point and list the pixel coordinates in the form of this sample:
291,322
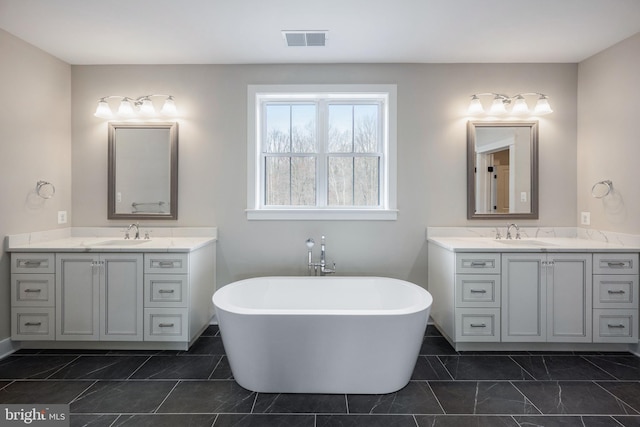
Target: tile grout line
526,398
138,368
600,368
637,412
215,367
436,397
155,411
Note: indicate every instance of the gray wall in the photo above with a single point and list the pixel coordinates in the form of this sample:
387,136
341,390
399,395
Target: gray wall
608,143
432,103
47,131
35,144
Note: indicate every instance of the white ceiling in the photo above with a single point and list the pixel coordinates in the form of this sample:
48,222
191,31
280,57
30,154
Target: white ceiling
360,31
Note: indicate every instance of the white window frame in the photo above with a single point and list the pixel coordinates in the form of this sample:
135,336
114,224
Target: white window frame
385,94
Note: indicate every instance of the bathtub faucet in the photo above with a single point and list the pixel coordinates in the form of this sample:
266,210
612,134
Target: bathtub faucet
321,266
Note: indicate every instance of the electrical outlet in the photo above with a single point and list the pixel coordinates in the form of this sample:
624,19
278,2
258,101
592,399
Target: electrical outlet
62,217
523,196
585,218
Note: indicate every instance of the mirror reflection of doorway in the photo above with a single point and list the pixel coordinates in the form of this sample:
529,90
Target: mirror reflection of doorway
500,181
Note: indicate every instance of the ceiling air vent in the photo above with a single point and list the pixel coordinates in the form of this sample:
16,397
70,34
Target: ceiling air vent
305,38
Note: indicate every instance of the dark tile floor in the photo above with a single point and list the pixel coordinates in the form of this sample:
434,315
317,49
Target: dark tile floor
196,388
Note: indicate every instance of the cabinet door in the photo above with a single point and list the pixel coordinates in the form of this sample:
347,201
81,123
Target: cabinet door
77,297
569,298
524,298
121,291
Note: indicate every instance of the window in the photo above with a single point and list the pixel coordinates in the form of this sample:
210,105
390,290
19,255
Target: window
321,152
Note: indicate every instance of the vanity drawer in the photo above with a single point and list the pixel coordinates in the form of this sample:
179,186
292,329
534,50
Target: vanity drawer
166,324
165,290
478,324
615,291
165,263
477,290
620,326
485,263
33,263
33,290
615,263
32,324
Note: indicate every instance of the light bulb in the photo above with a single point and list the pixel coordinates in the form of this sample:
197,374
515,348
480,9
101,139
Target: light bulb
103,110
125,109
520,107
475,106
169,107
542,106
146,108
497,107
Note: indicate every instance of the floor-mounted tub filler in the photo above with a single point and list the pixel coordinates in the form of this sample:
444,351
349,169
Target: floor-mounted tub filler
356,335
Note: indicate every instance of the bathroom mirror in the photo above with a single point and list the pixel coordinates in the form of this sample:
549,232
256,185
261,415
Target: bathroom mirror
143,171
502,170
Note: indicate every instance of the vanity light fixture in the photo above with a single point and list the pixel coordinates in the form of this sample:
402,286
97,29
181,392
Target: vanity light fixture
501,102
130,107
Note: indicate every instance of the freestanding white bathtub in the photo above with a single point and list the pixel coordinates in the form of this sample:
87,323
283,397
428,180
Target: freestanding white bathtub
359,335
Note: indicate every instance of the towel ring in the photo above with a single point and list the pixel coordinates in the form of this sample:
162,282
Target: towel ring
45,189
602,189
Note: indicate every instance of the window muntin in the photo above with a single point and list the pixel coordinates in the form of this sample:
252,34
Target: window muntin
340,152
354,177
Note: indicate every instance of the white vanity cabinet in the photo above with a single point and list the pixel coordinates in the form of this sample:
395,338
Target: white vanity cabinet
127,297
99,297
488,297
166,297
33,296
615,297
546,297
477,297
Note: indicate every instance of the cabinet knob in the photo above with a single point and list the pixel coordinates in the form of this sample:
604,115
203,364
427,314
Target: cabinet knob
166,291
616,292
478,291
33,290
478,325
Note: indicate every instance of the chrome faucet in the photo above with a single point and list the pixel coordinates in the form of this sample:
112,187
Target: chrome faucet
137,227
318,266
509,231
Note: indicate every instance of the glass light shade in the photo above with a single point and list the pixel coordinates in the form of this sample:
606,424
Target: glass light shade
520,106
146,108
542,106
125,109
169,107
103,110
497,107
475,106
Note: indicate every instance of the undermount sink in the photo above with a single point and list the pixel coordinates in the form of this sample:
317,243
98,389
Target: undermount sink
524,242
121,242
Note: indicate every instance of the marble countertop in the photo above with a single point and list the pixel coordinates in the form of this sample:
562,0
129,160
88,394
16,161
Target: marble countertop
547,244
534,239
111,240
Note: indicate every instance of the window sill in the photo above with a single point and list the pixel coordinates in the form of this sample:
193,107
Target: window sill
322,214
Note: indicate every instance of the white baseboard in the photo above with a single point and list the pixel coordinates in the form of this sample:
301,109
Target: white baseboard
7,347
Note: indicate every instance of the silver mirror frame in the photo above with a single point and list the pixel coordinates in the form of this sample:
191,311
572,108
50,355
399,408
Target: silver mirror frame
471,197
173,191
